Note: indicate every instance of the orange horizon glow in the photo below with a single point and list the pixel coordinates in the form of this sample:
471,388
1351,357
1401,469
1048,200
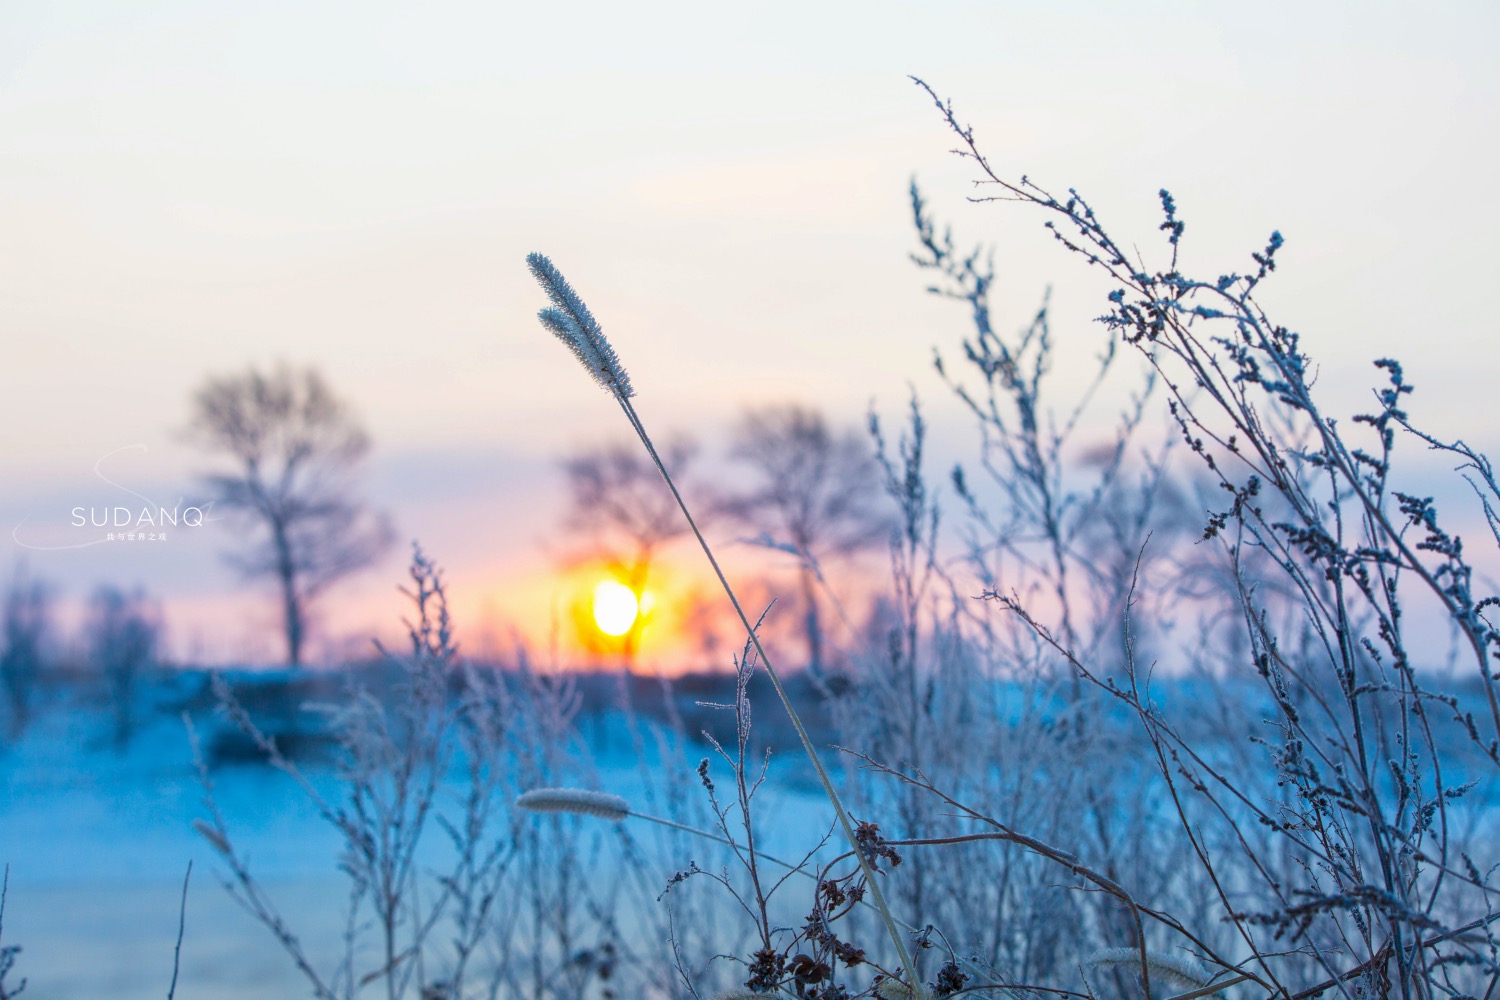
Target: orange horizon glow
683,623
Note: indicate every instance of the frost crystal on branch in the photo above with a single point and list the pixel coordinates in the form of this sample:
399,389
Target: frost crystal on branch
1178,970
574,800
573,324
894,989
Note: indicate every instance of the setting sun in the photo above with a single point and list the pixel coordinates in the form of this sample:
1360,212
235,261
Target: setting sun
615,607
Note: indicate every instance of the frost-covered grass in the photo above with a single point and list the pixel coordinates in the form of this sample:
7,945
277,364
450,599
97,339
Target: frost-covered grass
1207,707
1330,834
98,840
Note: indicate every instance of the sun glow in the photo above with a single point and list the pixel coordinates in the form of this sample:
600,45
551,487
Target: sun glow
615,607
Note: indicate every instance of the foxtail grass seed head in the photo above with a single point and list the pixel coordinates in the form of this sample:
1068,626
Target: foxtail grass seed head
894,989
578,801
572,323
1176,969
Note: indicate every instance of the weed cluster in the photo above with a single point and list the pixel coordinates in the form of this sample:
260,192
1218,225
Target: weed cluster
1027,810
1031,746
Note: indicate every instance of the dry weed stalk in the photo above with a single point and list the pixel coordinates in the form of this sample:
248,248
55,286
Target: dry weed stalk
575,325
8,952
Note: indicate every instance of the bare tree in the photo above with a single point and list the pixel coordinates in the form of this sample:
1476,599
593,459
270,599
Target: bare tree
620,502
123,631
294,447
814,489
26,626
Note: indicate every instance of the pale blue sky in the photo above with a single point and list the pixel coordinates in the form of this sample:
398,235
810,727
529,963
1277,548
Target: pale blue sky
190,188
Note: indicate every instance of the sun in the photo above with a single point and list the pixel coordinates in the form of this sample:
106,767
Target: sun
615,607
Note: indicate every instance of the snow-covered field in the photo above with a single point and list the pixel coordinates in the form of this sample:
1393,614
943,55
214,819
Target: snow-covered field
98,842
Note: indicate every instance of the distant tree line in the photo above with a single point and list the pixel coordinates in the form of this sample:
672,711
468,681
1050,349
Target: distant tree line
802,486
118,645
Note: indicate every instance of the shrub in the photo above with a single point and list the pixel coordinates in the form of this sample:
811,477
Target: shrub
122,633
27,629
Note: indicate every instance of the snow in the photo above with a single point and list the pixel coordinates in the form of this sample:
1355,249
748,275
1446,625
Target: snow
98,841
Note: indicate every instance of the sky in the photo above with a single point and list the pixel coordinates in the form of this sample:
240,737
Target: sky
188,190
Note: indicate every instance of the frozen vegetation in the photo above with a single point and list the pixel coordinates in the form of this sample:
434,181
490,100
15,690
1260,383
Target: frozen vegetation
1210,709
